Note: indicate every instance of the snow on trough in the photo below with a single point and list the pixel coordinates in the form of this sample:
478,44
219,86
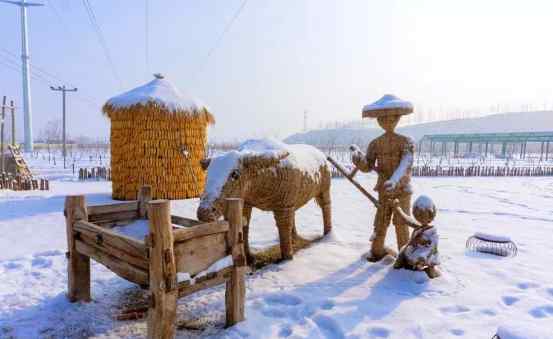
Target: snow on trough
328,291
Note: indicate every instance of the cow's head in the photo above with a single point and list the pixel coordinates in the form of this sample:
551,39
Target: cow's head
228,176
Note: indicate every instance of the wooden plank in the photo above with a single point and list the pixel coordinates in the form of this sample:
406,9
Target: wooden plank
93,241
221,277
117,266
196,255
201,230
113,216
110,238
182,221
113,208
78,265
112,224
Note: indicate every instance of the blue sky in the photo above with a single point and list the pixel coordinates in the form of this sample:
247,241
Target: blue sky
283,57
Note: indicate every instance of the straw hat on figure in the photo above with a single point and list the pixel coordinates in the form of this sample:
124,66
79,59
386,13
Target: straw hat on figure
391,157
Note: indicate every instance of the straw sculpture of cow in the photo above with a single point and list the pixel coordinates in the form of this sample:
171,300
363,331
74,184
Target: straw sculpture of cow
271,176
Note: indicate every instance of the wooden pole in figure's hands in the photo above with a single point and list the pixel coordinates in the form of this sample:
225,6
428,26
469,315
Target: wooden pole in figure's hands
349,176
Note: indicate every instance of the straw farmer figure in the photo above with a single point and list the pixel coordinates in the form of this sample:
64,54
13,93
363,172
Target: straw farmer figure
391,156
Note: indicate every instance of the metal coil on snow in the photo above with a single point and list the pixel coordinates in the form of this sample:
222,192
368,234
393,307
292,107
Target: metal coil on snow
492,244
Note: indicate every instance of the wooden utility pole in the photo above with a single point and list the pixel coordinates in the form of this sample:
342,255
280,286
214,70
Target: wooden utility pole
63,90
12,109
2,119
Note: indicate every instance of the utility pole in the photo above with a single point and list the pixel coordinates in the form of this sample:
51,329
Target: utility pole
27,117
12,109
63,90
2,120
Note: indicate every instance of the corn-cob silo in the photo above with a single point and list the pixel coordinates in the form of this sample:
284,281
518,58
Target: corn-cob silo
158,137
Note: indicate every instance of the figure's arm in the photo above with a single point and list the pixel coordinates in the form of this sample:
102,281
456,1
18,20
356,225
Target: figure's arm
364,162
406,162
407,219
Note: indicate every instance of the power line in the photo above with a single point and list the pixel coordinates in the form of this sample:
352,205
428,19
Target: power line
223,33
147,35
40,74
32,65
98,30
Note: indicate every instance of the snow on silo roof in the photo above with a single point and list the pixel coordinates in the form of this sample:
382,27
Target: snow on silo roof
158,91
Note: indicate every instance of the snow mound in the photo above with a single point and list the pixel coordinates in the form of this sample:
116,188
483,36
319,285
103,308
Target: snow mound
388,101
159,91
526,331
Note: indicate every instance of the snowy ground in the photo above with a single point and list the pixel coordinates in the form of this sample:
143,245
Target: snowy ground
327,291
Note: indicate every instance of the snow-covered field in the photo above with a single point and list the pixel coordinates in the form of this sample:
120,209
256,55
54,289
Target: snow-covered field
327,291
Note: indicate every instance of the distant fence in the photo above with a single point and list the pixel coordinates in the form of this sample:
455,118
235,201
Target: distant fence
95,173
19,183
482,171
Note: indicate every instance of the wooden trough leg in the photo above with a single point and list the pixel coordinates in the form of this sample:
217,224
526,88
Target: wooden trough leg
236,286
163,276
144,196
78,265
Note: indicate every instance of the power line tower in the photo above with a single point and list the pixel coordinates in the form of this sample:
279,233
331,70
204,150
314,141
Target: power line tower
27,117
305,121
63,90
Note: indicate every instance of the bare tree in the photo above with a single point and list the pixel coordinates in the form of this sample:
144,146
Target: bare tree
51,133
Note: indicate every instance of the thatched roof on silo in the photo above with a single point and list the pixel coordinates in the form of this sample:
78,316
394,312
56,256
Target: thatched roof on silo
158,95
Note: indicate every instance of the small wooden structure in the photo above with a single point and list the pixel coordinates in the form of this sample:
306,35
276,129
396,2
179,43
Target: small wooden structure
174,244
20,183
95,173
14,163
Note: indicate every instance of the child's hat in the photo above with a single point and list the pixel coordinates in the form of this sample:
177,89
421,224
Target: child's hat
389,104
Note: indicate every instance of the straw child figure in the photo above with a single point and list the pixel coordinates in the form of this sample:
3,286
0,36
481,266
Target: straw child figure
421,252
391,156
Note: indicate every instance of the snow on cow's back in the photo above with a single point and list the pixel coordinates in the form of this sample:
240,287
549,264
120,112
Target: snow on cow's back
305,158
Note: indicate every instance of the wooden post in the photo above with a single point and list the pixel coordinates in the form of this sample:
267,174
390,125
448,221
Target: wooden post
236,286
12,109
2,118
78,265
163,277
144,196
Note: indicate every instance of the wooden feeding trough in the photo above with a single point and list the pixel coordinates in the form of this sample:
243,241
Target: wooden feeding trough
171,246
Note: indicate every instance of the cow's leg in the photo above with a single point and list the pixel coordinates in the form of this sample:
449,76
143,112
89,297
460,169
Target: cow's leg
247,214
285,222
324,202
